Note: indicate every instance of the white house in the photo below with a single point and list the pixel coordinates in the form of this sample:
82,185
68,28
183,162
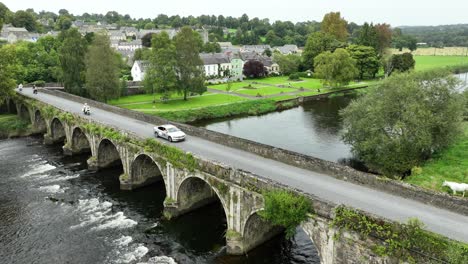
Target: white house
132,45
216,64
138,70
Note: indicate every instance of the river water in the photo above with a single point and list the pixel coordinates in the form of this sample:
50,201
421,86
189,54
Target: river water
53,210
314,128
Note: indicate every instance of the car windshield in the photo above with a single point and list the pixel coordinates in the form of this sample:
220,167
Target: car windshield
173,129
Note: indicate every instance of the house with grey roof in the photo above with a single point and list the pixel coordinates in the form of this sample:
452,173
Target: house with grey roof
130,45
287,49
255,48
13,34
138,70
116,35
216,64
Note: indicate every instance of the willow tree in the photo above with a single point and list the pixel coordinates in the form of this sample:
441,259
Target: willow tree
102,70
72,60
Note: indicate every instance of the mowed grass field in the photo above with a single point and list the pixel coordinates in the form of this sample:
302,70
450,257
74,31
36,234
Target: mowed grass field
433,62
144,103
450,165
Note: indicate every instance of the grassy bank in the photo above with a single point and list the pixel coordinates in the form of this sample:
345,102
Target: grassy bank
449,165
424,63
11,126
252,107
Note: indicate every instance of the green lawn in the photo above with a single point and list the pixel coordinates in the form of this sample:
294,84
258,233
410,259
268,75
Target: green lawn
269,90
180,104
451,165
235,86
433,62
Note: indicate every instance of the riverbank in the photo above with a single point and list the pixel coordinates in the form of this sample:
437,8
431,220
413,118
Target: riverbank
448,165
13,126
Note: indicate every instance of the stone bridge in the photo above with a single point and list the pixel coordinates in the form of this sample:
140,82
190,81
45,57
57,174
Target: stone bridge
238,192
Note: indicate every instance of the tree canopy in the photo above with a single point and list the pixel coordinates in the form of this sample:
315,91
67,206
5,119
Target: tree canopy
403,121
335,69
190,74
254,69
317,43
367,61
161,76
102,79
7,81
72,60
335,25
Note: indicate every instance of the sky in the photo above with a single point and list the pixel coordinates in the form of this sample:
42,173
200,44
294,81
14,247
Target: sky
394,12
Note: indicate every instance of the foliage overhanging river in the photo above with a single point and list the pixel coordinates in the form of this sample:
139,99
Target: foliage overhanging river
53,210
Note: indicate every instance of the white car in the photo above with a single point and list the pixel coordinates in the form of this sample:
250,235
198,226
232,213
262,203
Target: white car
169,132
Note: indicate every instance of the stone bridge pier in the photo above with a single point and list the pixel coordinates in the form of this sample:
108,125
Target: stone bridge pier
342,247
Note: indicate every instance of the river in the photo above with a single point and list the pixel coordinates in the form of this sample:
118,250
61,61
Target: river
314,128
54,210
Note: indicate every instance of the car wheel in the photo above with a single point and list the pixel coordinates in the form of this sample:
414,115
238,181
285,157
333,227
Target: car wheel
156,134
170,139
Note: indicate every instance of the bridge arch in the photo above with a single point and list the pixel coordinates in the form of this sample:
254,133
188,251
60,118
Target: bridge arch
144,171
79,141
57,130
108,155
39,122
195,192
24,112
255,231
11,106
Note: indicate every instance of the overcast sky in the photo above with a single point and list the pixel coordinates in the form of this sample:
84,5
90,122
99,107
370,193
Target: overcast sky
395,12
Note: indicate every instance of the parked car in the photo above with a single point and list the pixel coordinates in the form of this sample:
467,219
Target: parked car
169,132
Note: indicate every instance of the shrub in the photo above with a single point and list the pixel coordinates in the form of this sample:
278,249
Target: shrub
286,209
294,77
39,83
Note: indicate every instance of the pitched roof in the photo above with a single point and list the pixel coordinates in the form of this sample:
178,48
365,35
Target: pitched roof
142,64
214,58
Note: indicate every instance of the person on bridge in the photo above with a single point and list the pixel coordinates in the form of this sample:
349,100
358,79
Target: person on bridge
86,109
34,89
20,87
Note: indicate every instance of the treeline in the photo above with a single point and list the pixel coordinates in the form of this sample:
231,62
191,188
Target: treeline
440,36
86,65
240,31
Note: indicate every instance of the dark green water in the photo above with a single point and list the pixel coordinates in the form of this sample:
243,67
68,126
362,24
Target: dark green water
53,210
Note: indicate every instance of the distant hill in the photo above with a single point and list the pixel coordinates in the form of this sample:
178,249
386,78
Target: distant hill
439,36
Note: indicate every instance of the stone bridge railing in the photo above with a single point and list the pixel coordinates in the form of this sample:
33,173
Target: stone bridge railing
191,182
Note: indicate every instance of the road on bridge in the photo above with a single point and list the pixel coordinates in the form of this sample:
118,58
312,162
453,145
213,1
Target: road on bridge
373,201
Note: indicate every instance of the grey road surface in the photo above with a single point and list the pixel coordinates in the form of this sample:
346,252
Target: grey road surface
373,201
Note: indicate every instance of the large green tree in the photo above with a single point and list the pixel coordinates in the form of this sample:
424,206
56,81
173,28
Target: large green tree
190,74
335,69
317,43
335,25
7,66
24,19
38,61
403,121
288,63
400,63
367,61
102,69
161,75
72,60
368,36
